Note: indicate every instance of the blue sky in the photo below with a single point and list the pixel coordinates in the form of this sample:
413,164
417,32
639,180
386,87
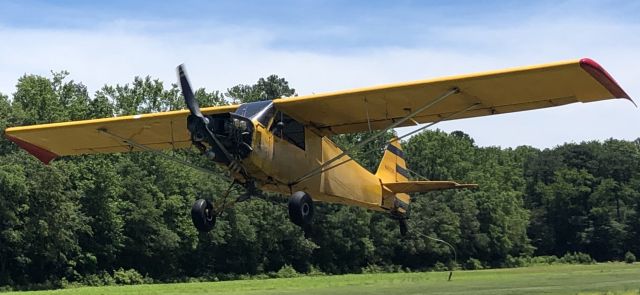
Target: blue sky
331,45
319,25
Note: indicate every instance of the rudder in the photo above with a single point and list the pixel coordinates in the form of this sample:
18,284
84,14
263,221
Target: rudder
393,167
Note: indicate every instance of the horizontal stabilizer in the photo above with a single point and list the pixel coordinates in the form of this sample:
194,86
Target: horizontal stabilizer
425,186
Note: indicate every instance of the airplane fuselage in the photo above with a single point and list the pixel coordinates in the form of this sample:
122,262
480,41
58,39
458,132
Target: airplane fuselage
281,150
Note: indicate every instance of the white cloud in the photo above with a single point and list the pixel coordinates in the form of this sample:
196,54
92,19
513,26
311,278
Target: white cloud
222,57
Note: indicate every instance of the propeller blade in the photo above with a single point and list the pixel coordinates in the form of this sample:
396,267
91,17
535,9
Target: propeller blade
187,92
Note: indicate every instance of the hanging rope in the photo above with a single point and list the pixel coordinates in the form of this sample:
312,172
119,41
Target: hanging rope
455,254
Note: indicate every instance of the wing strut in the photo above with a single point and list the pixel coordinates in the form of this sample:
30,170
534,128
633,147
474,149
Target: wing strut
438,99
157,152
401,137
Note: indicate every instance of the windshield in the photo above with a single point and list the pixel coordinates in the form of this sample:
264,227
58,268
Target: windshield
250,109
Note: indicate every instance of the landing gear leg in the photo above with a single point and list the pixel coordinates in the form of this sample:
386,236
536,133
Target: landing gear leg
203,214
301,210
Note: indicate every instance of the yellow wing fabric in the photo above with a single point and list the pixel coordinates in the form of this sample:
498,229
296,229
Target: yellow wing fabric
494,92
165,130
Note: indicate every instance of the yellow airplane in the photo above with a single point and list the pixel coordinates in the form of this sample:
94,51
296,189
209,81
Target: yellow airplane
282,145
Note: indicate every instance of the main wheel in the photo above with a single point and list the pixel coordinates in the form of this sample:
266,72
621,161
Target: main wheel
301,209
203,215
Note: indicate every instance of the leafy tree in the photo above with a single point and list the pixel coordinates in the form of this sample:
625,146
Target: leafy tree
53,223
36,97
87,217
265,89
6,120
73,97
13,197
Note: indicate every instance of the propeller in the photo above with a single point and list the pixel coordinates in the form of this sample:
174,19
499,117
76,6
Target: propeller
189,97
194,108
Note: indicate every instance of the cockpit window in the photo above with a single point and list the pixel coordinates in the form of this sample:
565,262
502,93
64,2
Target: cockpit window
288,129
250,109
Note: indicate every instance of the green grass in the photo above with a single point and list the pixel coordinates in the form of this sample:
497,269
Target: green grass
608,278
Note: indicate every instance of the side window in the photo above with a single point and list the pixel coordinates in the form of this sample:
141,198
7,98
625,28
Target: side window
288,129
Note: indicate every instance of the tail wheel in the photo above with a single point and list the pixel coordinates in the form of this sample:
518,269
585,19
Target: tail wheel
203,215
301,209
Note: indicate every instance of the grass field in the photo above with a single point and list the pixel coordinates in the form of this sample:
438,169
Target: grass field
609,278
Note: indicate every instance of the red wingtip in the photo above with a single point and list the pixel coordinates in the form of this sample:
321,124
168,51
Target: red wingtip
43,155
602,76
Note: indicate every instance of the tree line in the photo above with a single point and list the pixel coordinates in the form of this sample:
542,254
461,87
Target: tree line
86,216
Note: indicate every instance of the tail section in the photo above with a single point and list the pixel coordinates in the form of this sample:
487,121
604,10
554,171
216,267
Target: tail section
394,175
394,179
393,168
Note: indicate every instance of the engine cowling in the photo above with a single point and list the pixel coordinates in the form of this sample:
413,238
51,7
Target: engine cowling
234,131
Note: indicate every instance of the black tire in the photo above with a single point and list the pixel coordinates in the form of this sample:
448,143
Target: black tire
203,215
301,209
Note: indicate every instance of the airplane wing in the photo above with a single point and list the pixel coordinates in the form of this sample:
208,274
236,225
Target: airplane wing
165,130
486,93
372,108
424,186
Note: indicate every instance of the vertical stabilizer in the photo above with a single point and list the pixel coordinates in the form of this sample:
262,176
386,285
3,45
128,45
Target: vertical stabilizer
393,168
